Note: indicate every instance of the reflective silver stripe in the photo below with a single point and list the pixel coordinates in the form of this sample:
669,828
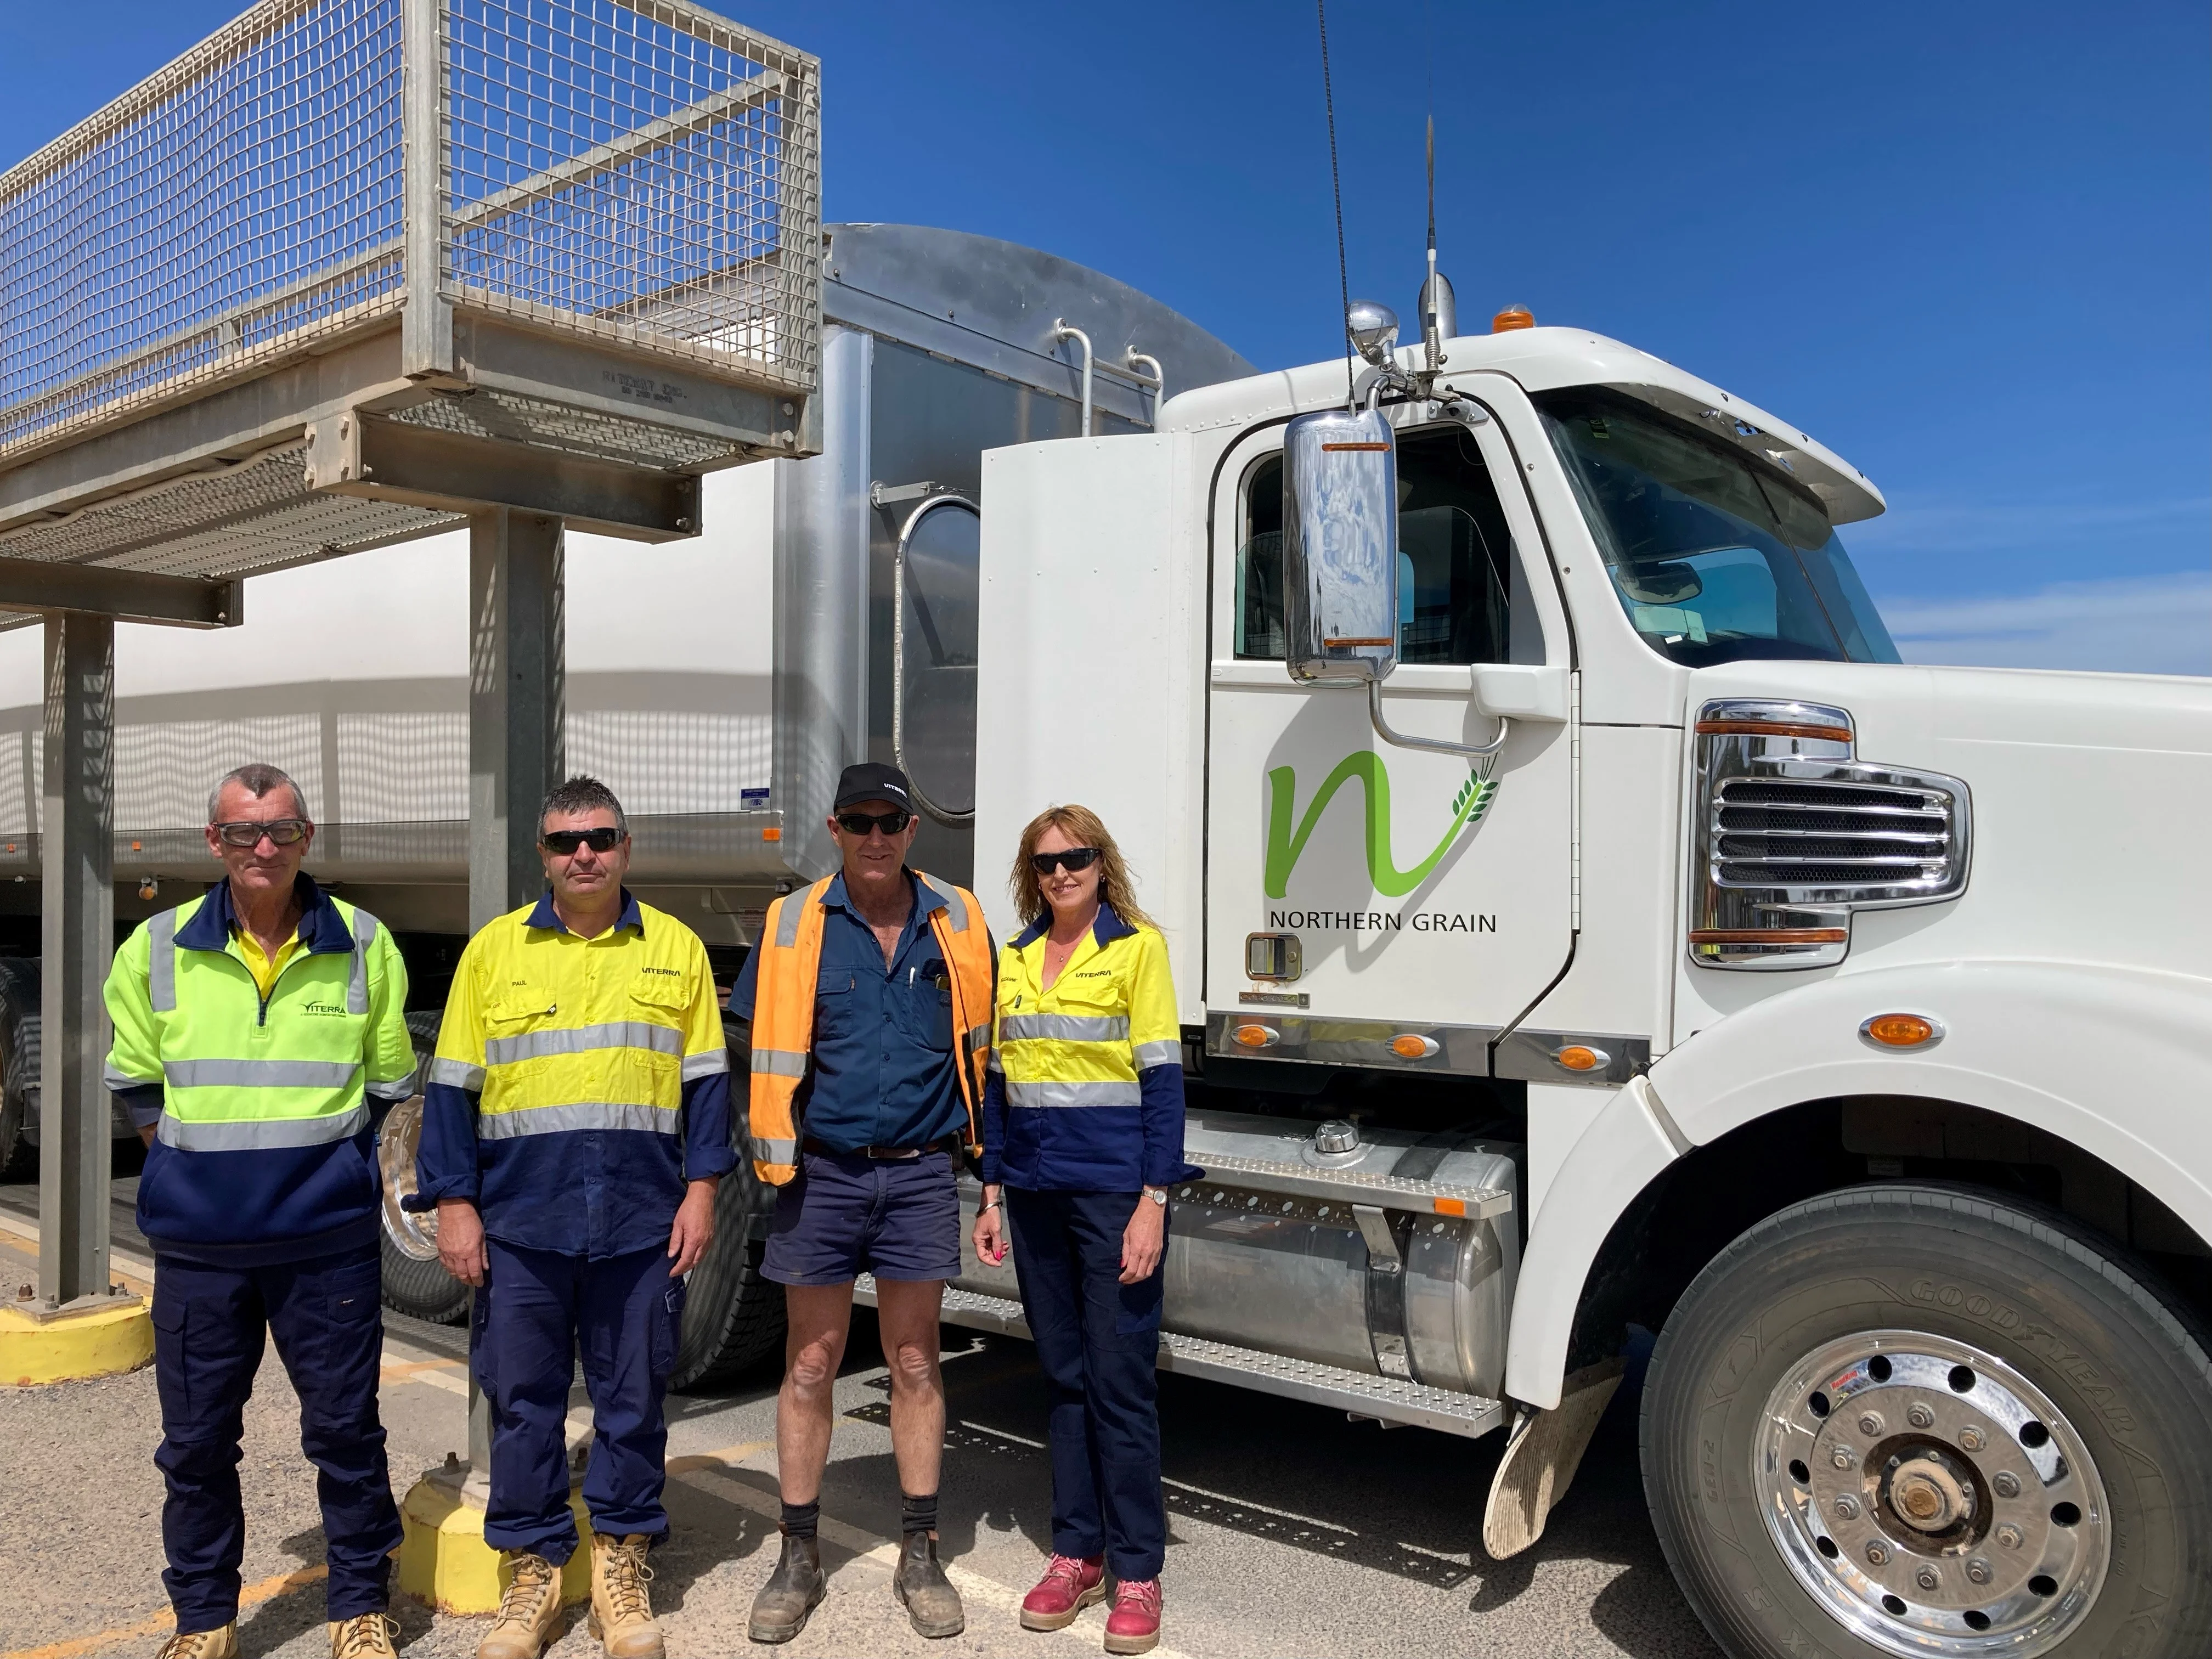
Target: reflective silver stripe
1064,1028
398,1089
587,1114
710,1064
979,1036
993,1065
583,1040
779,1062
162,963
775,1151
364,930
953,903
1166,1052
1073,1094
787,918
458,1074
261,1074
115,1080
259,1136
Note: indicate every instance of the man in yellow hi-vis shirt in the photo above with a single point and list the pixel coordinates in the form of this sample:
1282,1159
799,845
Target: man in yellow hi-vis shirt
576,1123
258,1033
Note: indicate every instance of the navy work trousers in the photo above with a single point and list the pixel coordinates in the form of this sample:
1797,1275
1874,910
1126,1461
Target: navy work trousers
534,1311
1098,1340
207,1326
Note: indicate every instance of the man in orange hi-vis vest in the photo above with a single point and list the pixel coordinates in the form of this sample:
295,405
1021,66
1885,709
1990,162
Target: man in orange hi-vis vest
870,995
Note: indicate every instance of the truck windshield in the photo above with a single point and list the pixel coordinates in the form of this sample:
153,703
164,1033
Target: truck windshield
1714,559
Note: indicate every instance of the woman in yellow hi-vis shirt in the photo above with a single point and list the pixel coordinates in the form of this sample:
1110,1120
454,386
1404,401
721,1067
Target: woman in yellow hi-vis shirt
1082,1134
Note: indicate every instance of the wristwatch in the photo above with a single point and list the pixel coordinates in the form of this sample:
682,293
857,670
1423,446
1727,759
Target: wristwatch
1158,1195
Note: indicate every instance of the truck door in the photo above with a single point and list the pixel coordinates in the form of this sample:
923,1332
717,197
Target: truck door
1370,903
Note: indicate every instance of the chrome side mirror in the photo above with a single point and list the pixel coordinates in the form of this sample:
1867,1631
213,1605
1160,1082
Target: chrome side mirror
1373,329
1340,546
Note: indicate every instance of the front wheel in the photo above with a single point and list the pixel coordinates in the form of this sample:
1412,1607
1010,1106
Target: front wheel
1926,1421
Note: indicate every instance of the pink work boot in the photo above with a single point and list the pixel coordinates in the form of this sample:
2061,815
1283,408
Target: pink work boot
1133,1626
1068,1586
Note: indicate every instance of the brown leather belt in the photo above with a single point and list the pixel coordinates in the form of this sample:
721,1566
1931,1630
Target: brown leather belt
881,1154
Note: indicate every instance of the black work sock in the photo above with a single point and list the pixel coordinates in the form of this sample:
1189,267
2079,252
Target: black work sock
802,1520
917,1514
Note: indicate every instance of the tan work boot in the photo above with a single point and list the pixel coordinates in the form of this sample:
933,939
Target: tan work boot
528,1613
203,1644
621,1612
365,1635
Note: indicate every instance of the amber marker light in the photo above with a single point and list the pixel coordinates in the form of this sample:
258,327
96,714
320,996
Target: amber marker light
1576,1057
772,832
1449,1205
1511,318
1254,1036
1408,1046
1901,1032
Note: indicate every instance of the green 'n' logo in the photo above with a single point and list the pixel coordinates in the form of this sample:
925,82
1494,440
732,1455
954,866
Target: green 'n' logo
1286,842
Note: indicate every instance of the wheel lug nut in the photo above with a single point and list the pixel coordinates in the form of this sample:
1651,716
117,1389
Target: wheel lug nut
1978,1571
1841,1458
2006,1483
1878,1553
1927,1578
1970,1439
2008,1536
1920,1417
1848,1507
1870,1424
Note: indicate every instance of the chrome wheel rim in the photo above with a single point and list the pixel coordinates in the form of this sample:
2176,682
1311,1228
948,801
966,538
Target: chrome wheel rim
1931,1498
414,1234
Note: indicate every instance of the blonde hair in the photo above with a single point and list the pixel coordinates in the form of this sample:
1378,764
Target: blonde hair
1085,829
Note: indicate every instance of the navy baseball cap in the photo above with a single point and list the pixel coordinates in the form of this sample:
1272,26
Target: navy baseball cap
873,781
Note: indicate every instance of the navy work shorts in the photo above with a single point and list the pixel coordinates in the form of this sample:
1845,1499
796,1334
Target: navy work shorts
843,1214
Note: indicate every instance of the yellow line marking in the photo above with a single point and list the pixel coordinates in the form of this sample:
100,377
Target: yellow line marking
411,1370
20,1245
161,1623
119,1262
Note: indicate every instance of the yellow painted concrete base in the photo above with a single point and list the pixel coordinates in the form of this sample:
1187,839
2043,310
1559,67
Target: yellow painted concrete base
97,1342
444,1563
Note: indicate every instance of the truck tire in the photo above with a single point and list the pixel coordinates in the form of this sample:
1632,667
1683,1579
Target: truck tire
1932,1421
732,1317
19,1066
414,1282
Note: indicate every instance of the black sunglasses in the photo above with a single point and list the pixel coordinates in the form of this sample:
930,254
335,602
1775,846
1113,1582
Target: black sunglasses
892,823
567,841
282,831
1075,858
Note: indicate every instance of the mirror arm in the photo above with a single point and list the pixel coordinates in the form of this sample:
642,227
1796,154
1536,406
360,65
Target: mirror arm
1471,750
943,815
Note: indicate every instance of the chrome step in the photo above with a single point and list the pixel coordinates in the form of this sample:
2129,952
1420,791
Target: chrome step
1388,1398
1387,1192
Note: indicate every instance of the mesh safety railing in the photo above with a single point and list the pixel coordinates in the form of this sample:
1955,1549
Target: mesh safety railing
641,171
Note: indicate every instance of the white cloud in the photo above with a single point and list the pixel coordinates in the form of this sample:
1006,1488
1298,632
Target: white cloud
1936,527
2136,625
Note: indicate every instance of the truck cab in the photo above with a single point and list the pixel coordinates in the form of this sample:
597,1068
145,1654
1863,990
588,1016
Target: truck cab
1840,1021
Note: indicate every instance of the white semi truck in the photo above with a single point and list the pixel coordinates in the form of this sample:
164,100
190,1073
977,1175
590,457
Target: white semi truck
1583,921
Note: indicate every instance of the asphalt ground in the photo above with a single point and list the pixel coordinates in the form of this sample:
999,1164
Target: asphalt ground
1292,1530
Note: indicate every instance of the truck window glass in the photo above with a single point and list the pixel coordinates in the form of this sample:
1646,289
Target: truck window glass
1714,558
1454,557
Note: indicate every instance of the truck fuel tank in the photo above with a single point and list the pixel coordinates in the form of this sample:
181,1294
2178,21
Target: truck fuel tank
1394,1254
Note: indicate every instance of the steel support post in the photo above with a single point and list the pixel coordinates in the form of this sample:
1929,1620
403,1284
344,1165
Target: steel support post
78,941
518,657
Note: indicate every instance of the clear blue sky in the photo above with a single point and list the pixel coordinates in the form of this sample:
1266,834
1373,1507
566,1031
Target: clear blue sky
1967,244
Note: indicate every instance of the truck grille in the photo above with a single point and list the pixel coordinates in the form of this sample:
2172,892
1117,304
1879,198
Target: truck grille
1772,833
1795,834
